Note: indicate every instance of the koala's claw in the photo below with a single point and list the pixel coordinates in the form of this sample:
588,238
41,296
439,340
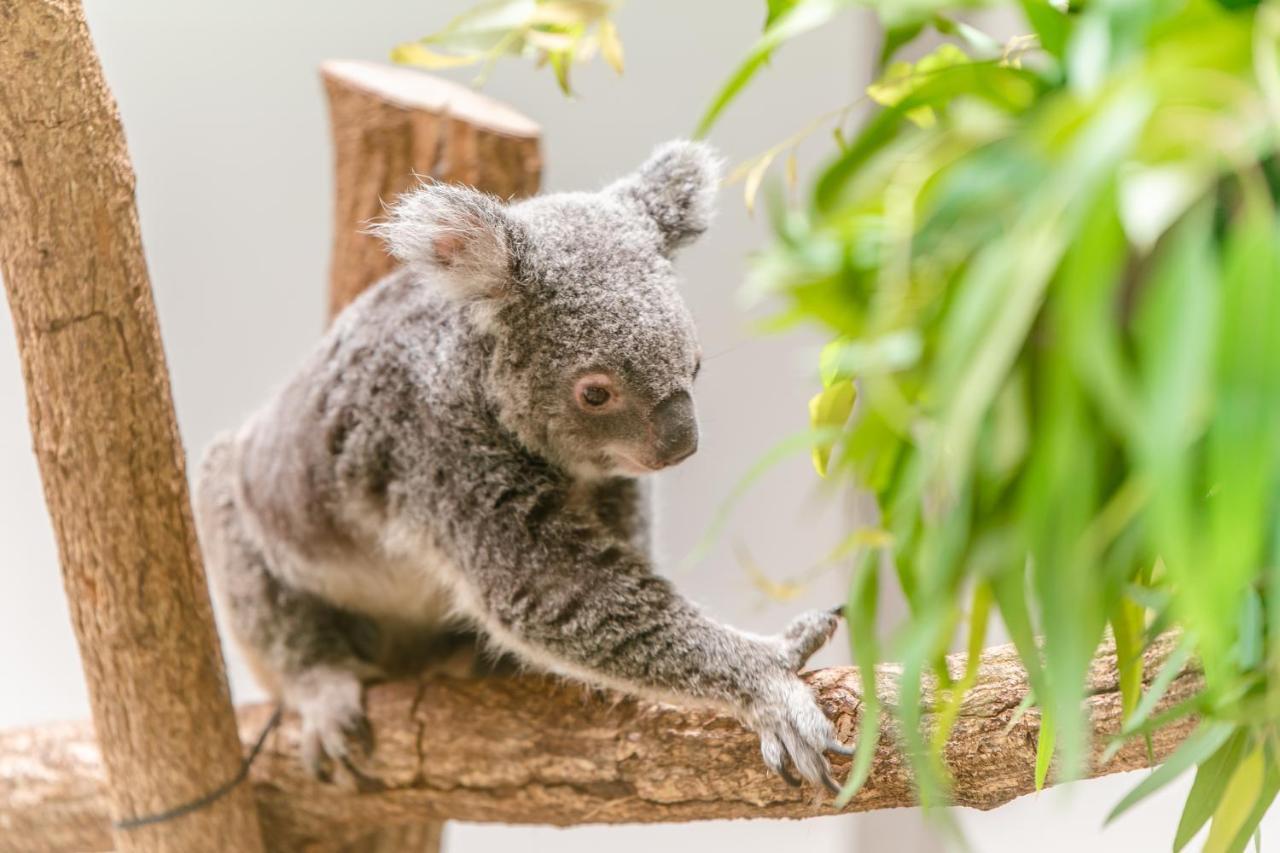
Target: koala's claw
840,749
335,729
807,633
794,731
775,758
341,739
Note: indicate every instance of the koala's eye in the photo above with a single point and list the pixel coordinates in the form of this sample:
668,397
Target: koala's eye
595,395
595,392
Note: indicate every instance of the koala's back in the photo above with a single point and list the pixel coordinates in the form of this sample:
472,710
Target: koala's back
317,479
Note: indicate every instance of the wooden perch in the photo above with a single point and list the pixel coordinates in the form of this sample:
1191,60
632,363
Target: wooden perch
106,440
394,126
537,750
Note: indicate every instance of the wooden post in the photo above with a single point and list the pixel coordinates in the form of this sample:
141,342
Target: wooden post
105,436
395,126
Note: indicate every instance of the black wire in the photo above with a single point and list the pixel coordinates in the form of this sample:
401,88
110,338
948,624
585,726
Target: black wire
214,795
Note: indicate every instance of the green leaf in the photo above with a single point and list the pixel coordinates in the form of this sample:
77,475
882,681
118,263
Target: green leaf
560,61
861,609
419,55
1087,286
850,359
1196,749
895,38
485,26
902,79
982,44
979,613
1126,627
555,32
1172,668
829,410
1206,792
1175,329
1251,827
775,10
1020,711
1044,750
1237,803
1049,23
611,45
1010,589
1008,89
1250,633
800,18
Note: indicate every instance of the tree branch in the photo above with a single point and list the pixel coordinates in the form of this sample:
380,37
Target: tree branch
537,750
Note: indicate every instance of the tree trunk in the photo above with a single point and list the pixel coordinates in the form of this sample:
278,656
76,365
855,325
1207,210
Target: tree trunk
537,750
107,443
393,127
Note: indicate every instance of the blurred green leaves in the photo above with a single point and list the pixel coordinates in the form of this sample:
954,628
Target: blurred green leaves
555,32
1080,242
1050,273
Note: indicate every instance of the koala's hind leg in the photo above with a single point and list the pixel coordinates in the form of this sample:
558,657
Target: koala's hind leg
311,656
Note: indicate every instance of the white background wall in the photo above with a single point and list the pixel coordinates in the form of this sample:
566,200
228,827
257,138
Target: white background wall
228,134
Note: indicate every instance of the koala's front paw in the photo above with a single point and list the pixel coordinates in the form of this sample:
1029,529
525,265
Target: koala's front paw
793,729
334,726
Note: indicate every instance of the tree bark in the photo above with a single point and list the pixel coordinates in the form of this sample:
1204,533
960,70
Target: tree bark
104,433
537,750
393,127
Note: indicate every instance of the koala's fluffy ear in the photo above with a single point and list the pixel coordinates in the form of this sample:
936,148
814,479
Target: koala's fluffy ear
455,235
676,187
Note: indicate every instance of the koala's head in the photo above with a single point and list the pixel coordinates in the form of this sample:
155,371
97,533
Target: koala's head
594,352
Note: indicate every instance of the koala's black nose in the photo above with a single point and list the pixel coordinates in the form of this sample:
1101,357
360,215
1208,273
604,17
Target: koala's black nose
675,428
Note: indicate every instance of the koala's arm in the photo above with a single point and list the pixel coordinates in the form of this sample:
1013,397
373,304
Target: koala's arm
556,586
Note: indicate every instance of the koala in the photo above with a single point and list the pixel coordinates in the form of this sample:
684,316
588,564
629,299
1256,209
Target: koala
462,460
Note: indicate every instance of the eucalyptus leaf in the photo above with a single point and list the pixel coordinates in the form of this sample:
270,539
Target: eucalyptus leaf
828,412
796,19
1194,750
1242,792
1206,792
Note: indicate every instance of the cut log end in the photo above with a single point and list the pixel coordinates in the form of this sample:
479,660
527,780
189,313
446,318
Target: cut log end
413,90
393,127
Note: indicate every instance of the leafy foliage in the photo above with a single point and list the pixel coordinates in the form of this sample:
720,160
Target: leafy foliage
554,32
1050,270
1084,246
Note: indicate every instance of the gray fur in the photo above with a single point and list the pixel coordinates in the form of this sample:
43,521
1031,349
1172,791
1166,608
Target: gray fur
440,468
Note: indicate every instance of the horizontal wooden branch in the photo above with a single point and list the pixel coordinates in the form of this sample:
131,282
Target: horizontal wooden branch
538,750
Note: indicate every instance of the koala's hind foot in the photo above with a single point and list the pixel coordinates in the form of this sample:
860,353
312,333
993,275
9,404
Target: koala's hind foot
335,729
310,655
